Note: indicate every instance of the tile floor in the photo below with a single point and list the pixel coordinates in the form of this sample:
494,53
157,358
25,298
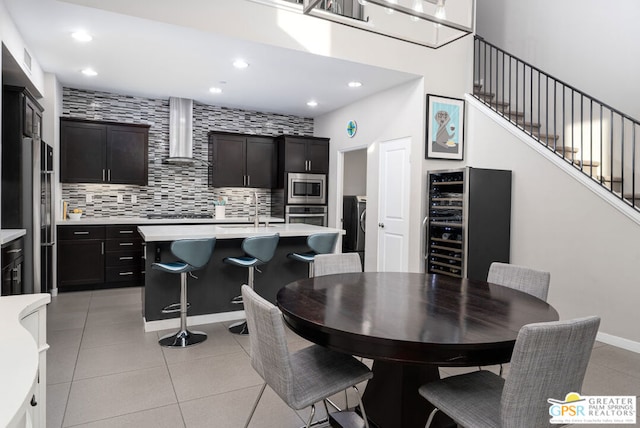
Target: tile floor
105,371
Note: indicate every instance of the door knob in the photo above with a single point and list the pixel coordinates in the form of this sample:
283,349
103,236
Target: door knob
381,225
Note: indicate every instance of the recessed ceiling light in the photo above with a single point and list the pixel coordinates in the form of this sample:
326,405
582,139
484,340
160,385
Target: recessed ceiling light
89,72
312,103
82,36
215,90
240,64
355,84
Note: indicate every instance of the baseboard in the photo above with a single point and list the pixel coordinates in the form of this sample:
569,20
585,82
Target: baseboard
619,342
174,323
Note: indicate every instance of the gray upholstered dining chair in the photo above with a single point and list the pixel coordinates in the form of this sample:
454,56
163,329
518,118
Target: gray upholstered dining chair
521,278
302,378
327,264
549,360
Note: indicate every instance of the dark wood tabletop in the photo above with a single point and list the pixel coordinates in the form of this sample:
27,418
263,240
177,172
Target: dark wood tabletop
409,324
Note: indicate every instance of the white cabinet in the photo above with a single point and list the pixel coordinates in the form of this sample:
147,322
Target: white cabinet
23,360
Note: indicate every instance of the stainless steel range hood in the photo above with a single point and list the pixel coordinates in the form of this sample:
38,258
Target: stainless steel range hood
180,132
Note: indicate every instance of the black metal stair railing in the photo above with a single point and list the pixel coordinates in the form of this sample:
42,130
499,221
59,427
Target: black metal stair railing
590,135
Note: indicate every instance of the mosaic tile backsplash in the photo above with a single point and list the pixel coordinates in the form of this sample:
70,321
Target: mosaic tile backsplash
172,189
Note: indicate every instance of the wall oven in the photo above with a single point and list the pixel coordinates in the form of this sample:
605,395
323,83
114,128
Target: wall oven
307,214
306,189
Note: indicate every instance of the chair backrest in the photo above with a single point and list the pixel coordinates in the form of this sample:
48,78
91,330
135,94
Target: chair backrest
194,252
549,360
269,351
327,264
261,247
521,278
322,243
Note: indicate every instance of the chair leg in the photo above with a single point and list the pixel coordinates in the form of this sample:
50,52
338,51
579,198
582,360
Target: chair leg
310,269
364,414
311,415
183,337
255,405
241,327
431,415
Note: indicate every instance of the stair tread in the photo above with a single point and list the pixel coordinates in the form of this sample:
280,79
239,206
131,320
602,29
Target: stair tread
608,178
566,149
586,162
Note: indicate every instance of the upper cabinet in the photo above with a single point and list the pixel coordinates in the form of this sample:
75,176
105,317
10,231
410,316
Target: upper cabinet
103,152
241,160
303,154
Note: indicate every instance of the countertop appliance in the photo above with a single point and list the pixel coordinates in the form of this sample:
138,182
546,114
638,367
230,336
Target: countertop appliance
354,214
47,239
306,189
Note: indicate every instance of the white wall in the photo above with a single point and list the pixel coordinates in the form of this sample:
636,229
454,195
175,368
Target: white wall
355,172
561,226
589,44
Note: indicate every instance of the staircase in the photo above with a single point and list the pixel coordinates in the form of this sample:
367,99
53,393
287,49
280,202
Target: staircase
589,135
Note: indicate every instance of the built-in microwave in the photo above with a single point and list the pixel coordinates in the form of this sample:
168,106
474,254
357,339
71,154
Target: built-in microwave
306,189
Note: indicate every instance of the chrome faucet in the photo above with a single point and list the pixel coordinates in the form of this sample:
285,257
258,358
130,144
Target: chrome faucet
256,219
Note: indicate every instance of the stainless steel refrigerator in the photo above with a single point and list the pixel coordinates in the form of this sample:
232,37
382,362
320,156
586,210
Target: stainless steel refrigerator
46,217
354,214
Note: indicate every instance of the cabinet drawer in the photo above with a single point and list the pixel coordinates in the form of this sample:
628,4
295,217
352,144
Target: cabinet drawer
124,244
124,258
80,232
12,251
124,273
122,231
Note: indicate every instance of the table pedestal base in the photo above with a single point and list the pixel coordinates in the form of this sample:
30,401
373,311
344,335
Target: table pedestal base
391,398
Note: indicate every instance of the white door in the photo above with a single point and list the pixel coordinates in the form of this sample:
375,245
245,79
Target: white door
393,208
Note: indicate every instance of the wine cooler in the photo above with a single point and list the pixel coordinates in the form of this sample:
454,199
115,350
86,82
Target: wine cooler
468,222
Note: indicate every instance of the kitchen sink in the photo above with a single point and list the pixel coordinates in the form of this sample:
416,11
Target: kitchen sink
244,226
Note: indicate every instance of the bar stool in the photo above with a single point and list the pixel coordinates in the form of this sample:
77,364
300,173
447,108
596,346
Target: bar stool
193,255
258,251
320,243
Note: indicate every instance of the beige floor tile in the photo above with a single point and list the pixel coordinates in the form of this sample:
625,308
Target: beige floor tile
75,301
617,358
118,358
162,417
57,396
231,409
115,395
131,313
212,375
219,342
601,380
62,355
112,334
114,301
67,320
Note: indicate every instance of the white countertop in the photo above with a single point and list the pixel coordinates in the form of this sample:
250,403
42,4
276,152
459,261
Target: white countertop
176,232
8,235
18,353
144,220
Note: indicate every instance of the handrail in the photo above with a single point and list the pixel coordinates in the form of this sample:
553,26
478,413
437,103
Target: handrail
590,135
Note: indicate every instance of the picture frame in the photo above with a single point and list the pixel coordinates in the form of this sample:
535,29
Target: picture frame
445,128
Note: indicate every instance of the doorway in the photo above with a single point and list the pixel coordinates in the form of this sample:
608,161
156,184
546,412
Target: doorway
354,200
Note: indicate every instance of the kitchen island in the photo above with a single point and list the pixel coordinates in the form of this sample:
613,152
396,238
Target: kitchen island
218,283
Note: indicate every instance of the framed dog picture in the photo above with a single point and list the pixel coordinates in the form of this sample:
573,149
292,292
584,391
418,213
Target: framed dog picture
445,128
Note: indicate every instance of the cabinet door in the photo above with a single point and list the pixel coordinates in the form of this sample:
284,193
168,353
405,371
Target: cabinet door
82,152
127,155
228,160
80,262
260,169
295,152
318,156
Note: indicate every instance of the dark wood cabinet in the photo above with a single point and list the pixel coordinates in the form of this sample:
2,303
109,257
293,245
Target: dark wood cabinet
103,152
303,154
99,256
242,161
12,262
81,252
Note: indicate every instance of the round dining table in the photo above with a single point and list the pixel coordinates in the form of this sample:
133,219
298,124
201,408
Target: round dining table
409,324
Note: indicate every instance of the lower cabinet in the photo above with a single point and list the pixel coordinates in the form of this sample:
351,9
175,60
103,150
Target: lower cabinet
12,259
99,256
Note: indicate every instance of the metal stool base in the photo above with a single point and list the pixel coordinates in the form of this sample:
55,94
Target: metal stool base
182,339
240,327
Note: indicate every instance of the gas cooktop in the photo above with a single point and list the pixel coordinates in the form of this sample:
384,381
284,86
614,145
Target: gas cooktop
178,216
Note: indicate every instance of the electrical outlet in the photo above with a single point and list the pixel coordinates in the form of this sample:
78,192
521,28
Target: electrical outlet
134,199
120,198
89,198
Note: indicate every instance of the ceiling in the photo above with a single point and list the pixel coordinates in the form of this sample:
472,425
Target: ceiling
146,58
